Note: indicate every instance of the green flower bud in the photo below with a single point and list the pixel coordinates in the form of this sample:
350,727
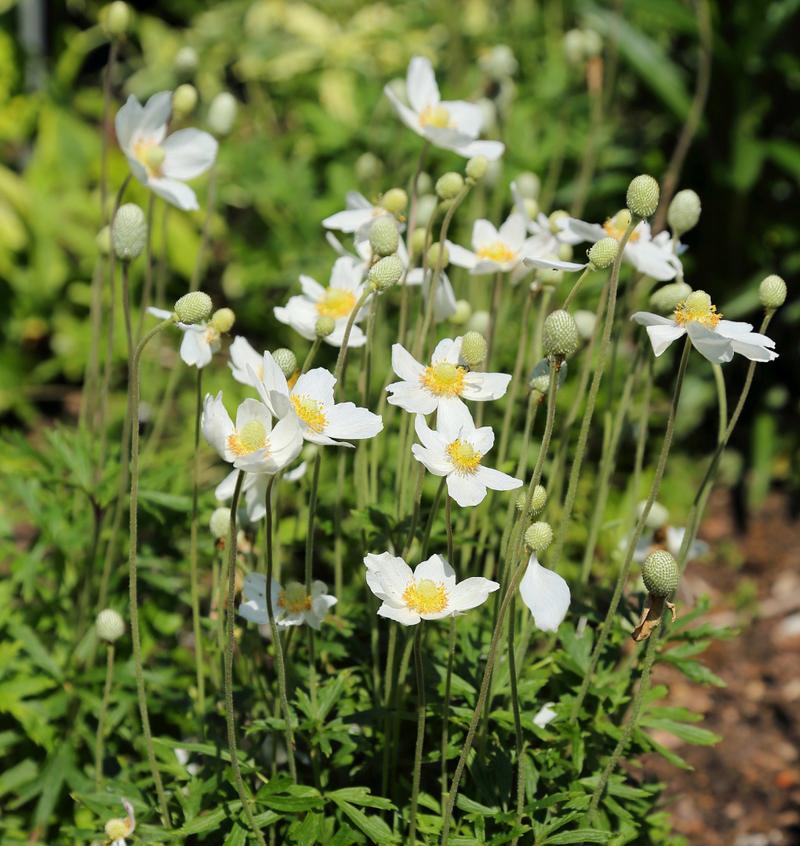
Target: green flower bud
528,185
109,624
603,253
449,186
658,516
383,235
418,237
667,297
223,319
683,212
433,255
184,99
772,292
395,201
103,241
185,61
660,573
128,232
194,307
473,348
222,113
476,168
538,500
368,165
324,326
560,334
642,196
538,536
384,273
592,43
286,360
462,313
117,18
479,322
220,522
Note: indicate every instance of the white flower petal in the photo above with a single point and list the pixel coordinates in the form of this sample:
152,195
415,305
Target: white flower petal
546,594
471,593
496,480
421,87
466,490
485,386
174,192
127,120
388,576
412,398
467,117
195,350
662,336
347,420
716,348
317,384
436,568
188,153
403,615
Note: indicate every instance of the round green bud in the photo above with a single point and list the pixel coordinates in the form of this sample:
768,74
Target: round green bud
772,292
555,218
592,43
385,272
433,255
476,168
383,235
667,297
418,237
117,18
185,61
462,313
194,307
128,232
286,360
368,166
531,207
223,319
479,322
473,348
426,208
538,500
103,241
560,334
642,196
540,383
684,211
528,185
395,201
538,536
585,321
220,522
324,326
573,46
109,624
660,573
424,184
657,517
184,99
222,113
449,186
565,252
603,253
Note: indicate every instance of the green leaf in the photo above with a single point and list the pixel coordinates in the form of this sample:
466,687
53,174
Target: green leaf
374,827
580,835
691,734
360,796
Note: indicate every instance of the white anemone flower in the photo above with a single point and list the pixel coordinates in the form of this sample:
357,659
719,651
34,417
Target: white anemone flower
451,124
200,340
291,606
245,363
254,489
444,383
669,538
714,338
429,592
158,161
322,421
357,217
337,301
120,828
251,443
496,250
455,450
546,594
654,256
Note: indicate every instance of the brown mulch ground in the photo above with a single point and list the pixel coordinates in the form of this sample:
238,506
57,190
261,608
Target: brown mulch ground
745,791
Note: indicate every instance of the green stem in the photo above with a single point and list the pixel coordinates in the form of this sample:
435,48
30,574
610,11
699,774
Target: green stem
577,286
426,537
311,355
147,289
412,222
519,741
420,674
341,359
101,719
193,569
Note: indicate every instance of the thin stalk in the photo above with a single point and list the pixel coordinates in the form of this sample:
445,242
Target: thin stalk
205,237
426,536
101,719
417,773
573,291
519,741
311,355
594,86
451,650
199,664
412,222
341,359
147,288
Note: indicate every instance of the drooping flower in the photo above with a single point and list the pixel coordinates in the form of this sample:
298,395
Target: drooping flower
444,383
429,592
714,338
546,594
337,301
251,443
321,420
451,124
291,606
119,828
455,450
200,340
158,161
356,217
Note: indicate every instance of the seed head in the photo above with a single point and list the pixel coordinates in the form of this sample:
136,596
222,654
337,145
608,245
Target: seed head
324,326
395,201
660,573
384,273
643,194
538,500
286,360
560,334
117,18
220,522
449,186
538,536
109,625
603,253
194,307
683,212
473,348
223,319
384,237
476,168
128,232
772,292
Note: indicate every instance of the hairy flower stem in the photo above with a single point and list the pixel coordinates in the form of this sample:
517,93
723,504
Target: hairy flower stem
230,714
312,353
513,584
451,650
417,773
630,722
519,740
101,718
341,359
635,534
147,288
594,389
641,437
276,638
193,570
133,417
577,286
309,559
426,535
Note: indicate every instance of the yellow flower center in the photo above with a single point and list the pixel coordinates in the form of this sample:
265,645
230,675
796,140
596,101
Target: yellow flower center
464,456
251,437
335,303
497,251
425,596
310,411
616,229
444,379
437,116
294,598
150,156
697,308
118,828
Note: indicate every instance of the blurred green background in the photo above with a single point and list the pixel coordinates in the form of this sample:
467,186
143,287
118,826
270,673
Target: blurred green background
313,123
